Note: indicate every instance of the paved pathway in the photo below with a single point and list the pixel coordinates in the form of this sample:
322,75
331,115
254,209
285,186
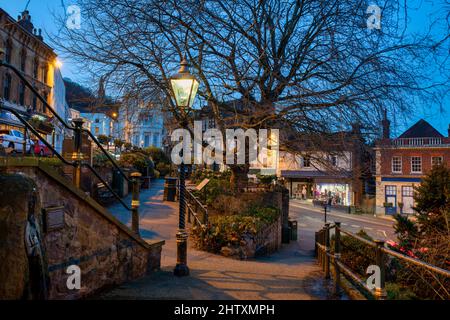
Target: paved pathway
292,273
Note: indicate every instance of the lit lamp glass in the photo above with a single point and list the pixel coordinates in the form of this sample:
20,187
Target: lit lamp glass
184,86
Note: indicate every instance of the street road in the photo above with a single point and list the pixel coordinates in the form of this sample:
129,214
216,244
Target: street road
310,219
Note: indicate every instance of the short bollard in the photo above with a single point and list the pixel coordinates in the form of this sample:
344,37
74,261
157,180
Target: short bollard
135,176
380,293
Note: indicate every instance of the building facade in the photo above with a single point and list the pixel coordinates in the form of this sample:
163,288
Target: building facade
99,123
141,124
402,162
333,168
25,49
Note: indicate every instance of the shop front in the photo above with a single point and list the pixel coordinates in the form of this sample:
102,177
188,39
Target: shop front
333,193
316,186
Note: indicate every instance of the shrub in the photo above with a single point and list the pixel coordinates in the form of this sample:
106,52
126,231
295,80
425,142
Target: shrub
103,139
163,168
157,155
266,179
229,230
138,161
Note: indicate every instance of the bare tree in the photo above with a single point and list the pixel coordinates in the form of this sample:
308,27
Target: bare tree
300,65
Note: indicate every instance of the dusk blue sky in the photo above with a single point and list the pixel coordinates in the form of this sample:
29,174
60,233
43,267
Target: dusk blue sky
41,12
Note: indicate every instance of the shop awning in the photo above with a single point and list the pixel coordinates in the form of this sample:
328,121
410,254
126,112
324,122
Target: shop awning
315,174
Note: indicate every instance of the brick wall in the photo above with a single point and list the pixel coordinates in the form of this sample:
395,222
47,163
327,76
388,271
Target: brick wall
406,154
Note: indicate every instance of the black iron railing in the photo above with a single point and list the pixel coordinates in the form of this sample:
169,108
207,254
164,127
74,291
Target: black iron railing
331,257
77,156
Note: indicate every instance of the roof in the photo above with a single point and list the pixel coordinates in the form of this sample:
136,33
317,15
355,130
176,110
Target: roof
315,174
421,129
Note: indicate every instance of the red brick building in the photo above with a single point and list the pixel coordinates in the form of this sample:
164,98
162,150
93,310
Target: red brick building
402,162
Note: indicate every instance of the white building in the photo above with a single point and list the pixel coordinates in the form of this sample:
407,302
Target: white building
141,125
99,124
61,107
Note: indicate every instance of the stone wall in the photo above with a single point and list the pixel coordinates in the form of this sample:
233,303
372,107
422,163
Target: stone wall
105,250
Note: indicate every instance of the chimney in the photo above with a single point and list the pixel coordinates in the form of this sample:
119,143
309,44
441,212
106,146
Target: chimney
39,35
386,124
25,21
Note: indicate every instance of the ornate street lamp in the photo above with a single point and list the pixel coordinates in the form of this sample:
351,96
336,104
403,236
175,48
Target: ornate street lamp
184,88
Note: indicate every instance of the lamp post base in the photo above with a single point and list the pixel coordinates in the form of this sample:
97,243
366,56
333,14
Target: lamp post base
181,269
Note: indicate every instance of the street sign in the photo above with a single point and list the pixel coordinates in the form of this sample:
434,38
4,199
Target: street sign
202,184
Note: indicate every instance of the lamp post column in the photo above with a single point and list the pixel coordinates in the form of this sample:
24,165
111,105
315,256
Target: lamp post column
181,269
77,155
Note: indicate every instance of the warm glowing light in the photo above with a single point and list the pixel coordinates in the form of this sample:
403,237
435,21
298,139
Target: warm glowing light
58,63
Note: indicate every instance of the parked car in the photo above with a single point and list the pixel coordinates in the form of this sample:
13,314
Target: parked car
14,139
41,149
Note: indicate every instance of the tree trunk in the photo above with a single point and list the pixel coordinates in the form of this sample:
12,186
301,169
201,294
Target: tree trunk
239,177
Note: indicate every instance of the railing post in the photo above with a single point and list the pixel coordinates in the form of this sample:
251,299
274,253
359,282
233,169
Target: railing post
380,293
24,150
135,202
316,238
77,155
327,250
337,257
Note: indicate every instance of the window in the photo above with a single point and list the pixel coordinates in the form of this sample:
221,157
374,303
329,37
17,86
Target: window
44,74
23,60
334,161
397,164
8,52
97,120
391,190
7,87
155,140
212,123
436,161
44,106
36,69
34,104
407,191
306,162
21,93
416,164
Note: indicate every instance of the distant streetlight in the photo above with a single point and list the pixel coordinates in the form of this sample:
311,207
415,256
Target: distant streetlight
184,88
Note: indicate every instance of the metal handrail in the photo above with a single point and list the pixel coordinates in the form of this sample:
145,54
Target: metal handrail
60,157
107,154
36,133
324,255
73,128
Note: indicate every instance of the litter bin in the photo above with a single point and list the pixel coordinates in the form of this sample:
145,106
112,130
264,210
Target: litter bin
293,227
170,189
